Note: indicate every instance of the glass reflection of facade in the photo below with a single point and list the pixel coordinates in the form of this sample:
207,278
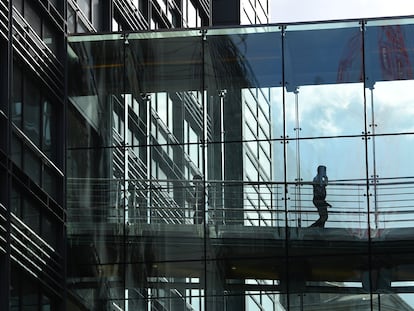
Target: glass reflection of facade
190,161
34,192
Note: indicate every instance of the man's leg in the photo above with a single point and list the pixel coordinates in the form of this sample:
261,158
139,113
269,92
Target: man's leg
323,216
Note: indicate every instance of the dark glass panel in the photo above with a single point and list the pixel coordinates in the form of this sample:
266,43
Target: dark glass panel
31,215
346,188
31,112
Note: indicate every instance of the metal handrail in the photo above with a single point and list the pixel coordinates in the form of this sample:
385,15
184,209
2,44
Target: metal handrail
258,205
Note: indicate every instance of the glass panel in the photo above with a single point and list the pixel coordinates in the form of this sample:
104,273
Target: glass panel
390,77
50,37
153,192
391,181
323,96
243,73
32,165
389,67
344,162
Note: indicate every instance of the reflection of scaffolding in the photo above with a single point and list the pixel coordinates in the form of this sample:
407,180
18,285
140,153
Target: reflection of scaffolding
163,207
395,207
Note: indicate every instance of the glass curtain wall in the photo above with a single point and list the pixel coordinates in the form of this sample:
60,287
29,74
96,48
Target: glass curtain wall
242,168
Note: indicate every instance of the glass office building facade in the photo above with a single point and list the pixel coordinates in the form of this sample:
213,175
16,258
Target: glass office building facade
190,162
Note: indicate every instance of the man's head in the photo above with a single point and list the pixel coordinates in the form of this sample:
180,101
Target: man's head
197,179
322,170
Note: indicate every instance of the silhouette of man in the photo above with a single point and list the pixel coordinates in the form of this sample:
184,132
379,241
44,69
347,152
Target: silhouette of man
320,181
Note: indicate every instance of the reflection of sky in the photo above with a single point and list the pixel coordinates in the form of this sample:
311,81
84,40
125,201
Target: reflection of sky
338,110
393,104
331,121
